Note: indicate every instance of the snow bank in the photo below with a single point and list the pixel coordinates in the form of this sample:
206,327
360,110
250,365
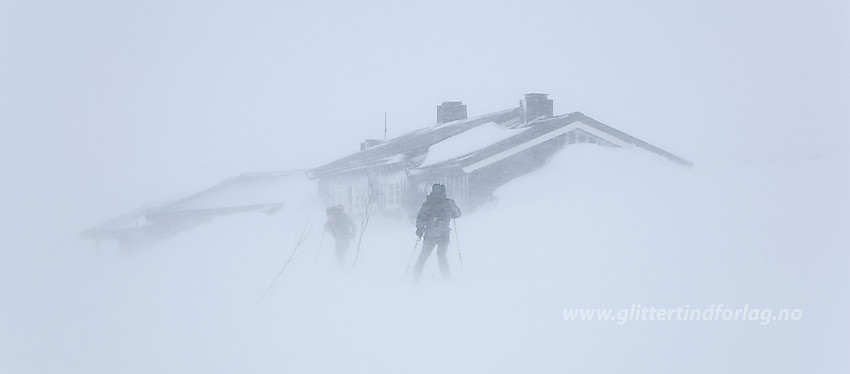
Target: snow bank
596,228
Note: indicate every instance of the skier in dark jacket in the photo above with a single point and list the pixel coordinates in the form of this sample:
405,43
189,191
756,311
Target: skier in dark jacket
342,229
433,222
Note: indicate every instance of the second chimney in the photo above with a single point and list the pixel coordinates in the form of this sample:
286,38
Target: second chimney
534,106
450,111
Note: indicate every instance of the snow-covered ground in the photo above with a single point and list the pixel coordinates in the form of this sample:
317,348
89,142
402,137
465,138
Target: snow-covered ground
596,228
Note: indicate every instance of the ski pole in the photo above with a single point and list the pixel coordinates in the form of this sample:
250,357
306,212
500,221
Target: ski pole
298,242
418,238
457,241
363,224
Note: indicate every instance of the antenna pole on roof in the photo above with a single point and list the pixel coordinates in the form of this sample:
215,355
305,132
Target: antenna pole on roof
385,126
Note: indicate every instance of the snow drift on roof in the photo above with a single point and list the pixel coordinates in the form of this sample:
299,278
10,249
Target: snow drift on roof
248,190
468,141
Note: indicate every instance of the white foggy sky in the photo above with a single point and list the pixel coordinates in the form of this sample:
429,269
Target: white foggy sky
108,105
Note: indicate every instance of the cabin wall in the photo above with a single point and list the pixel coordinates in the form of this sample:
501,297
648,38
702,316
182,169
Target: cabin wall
378,191
580,136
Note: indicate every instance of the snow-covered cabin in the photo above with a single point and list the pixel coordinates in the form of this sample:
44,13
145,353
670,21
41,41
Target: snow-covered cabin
471,156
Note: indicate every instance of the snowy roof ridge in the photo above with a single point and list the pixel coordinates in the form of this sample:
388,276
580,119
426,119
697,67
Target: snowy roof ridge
416,145
633,140
410,144
542,130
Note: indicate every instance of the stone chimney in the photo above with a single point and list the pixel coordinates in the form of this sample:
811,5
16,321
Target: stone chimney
534,106
450,111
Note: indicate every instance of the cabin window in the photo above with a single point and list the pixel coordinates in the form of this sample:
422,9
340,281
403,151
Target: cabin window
394,194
